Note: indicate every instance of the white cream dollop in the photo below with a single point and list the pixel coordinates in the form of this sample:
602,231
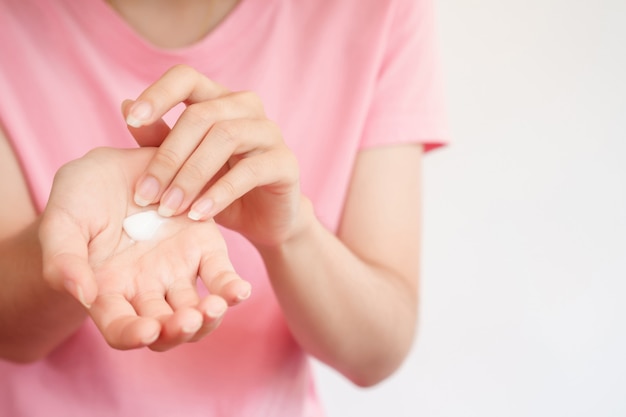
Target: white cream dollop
143,225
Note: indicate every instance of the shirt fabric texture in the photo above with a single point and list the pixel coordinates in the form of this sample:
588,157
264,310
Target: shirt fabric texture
336,76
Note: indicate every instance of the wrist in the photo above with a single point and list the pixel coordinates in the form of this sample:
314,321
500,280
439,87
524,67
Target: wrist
302,226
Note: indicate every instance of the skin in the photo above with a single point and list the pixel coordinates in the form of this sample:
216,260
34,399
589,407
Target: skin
77,251
137,293
339,292
366,275
173,23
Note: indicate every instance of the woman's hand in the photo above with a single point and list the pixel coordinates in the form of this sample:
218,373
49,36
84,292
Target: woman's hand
223,158
138,293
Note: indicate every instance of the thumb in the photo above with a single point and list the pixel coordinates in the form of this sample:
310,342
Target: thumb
145,135
65,257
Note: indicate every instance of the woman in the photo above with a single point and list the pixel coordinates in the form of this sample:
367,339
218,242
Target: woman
301,131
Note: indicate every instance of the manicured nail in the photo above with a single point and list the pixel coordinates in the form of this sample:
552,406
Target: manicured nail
200,209
139,112
77,292
147,191
171,201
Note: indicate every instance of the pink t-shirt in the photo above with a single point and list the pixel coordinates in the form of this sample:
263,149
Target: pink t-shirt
337,76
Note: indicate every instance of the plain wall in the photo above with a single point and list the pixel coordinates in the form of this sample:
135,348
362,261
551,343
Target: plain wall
523,308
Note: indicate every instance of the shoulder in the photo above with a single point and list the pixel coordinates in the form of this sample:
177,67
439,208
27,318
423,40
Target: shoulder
362,23
357,11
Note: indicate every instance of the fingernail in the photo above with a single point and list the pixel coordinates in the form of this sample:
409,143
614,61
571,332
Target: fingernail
139,112
77,292
200,209
171,201
146,191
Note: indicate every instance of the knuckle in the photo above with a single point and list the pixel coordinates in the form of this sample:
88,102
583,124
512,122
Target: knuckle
98,152
274,130
99,155
225,133
182,294
293,168
253,100
251,168
142,297
287,167
159,94
183,70
228,187
194,170
198,114
167,160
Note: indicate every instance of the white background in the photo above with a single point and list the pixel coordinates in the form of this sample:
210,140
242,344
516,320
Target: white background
524,271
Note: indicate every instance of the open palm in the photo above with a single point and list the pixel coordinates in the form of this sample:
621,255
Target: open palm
138,293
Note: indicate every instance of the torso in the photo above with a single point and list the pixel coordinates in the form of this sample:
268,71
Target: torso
316,66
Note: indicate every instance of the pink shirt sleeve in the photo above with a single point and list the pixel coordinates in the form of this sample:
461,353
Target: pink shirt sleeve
408,104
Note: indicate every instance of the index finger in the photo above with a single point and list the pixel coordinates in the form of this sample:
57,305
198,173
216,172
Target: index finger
120,325
180,84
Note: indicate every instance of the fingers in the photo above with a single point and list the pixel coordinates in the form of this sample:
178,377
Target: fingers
156,319
213,308
120,325
229,144
276,167
183,317
180,84
205,136
217,129
149,320
220,278
147,135
177,310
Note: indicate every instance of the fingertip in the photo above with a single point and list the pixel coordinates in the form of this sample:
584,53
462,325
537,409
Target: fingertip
237,291
132,122
146,191
89,293
214,307
244,292
201,209
150,334
171,202
195,216
165,211
77,292
141,332
126,103
141,202
139,114
192,322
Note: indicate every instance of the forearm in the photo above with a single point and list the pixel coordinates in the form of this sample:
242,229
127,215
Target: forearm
356,316
34,318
